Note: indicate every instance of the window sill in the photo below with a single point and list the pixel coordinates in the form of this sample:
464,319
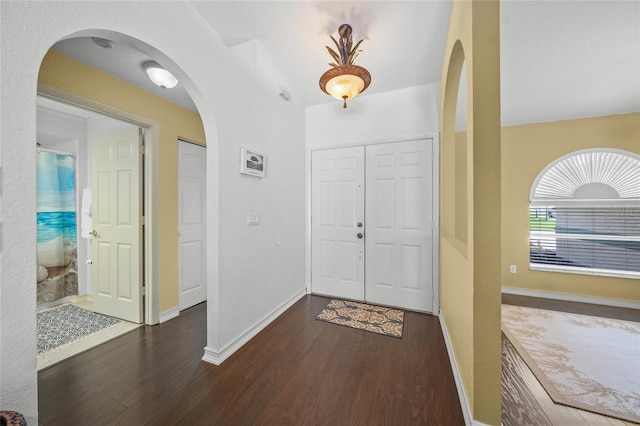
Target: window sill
584,271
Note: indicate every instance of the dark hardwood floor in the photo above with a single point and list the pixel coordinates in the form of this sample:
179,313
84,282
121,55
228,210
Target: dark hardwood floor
524,400
626,314
297,371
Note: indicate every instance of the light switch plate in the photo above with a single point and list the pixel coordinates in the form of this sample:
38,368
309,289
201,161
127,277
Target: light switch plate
253,219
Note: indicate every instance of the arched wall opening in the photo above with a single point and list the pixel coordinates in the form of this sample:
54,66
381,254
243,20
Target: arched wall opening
456,152
24,52
456,267
236,109
66,79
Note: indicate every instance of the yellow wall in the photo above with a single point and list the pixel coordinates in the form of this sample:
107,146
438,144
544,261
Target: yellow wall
64,73
526,150
470,188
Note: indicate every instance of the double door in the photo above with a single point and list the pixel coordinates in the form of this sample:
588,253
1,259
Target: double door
372,224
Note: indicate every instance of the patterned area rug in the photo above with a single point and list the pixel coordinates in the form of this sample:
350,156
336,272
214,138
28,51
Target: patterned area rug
362,316
59,326
584,362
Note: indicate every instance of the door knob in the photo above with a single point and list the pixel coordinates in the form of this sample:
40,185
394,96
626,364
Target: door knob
360,235
94,233
359,225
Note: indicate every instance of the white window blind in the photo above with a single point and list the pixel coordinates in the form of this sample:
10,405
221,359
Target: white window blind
596,238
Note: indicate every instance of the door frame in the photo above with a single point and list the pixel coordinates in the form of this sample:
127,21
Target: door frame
151,165
435,274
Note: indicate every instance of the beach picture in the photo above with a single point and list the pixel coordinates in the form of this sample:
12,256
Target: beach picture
57,275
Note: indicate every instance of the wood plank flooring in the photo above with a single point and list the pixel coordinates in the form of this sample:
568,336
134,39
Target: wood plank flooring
524,400
296,371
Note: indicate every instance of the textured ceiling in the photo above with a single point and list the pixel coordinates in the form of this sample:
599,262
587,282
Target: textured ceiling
403,46
123,62
569,59
559,59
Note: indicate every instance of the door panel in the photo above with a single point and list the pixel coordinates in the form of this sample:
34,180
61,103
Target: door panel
117,250
337,254
191,224
399,220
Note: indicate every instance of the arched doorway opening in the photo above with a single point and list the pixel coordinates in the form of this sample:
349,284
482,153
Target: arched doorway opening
66,79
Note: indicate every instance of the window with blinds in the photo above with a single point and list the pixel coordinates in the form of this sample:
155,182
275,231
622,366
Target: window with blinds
596,238
584,214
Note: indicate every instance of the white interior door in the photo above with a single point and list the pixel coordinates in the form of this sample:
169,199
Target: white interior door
337,254
116,214
191,224
399,250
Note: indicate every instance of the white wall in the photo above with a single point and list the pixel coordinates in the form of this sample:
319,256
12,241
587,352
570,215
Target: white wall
258,61
248,275
54,127
395,115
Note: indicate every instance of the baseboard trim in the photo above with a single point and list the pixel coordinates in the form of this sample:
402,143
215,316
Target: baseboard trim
168,315
78,298
466,410
571,297
217,357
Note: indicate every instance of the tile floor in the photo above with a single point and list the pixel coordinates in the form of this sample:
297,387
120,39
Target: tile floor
50,358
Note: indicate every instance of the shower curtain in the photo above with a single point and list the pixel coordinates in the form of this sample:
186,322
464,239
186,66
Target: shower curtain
57,275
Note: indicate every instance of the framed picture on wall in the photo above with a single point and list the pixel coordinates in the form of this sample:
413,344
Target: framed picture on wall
252,162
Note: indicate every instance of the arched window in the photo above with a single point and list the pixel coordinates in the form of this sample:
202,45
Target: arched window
584,215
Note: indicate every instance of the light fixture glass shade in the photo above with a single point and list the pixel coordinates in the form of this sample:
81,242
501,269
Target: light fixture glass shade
159,76
345,86
345,82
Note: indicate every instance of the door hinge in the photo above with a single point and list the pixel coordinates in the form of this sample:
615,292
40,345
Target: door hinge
144,290
143,149
143,220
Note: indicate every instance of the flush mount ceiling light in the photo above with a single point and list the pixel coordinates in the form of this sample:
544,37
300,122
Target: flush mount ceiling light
160,76
345,80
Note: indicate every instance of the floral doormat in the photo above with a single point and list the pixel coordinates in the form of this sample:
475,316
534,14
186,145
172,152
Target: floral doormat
362,316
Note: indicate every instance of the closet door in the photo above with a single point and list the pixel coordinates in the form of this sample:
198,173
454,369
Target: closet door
337,234
399,237
192,244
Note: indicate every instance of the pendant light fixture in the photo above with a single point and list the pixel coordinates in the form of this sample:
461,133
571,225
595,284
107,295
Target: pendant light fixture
344,80
159,76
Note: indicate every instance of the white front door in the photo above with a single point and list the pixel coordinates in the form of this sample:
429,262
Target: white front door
399,250
116,215
337,259
378,251
191,224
